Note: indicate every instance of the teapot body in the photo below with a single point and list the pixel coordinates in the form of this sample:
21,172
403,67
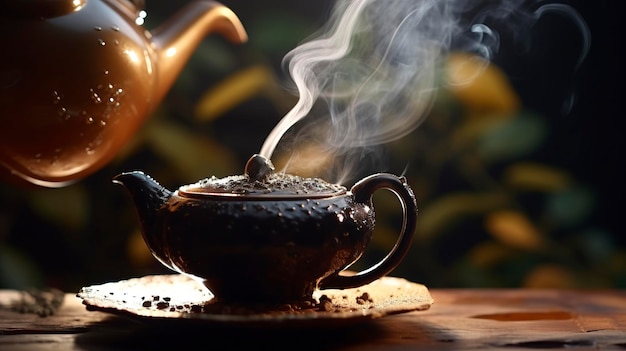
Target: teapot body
73,89
275,239
262,250
78,77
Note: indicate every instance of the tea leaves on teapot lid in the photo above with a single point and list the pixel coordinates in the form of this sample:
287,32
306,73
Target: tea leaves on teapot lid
275,185
259,181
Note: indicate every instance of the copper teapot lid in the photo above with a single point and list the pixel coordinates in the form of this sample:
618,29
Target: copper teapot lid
260,182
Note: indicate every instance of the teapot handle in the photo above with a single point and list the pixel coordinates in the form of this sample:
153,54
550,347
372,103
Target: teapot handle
363,192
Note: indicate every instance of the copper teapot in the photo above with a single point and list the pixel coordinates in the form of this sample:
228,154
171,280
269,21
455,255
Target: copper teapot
267,237
78,77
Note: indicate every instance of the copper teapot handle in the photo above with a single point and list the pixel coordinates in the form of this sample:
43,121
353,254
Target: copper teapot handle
363,192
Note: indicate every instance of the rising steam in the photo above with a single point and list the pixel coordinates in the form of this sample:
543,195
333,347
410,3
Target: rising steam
375,65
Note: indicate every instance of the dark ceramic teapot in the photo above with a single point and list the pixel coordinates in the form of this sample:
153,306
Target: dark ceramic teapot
78,78
266,236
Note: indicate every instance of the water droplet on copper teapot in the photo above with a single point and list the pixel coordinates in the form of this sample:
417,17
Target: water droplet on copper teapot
56,97
95,97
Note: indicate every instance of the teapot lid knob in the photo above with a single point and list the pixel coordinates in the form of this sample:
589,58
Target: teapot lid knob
258,167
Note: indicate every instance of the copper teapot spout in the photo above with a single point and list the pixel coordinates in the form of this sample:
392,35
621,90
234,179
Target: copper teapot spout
178,37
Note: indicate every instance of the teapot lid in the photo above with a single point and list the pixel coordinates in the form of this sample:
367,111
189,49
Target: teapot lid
260,182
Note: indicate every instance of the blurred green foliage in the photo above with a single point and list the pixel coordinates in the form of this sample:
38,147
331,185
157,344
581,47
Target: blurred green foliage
494,211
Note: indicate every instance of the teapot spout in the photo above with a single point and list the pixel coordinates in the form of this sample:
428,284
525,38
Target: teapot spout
178,37
148,197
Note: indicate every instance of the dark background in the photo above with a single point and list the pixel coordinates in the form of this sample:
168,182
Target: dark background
88,233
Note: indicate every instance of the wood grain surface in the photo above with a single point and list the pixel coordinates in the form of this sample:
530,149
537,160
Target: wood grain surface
459,319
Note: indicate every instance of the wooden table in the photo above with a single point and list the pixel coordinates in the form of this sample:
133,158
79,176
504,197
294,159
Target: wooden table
460,319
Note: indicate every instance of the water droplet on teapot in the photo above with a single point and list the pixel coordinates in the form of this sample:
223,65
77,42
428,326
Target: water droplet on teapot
56,155
90,120
115,28
56,97
97,28
95,97
102,42
141,15
90,149
62,111
340,217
